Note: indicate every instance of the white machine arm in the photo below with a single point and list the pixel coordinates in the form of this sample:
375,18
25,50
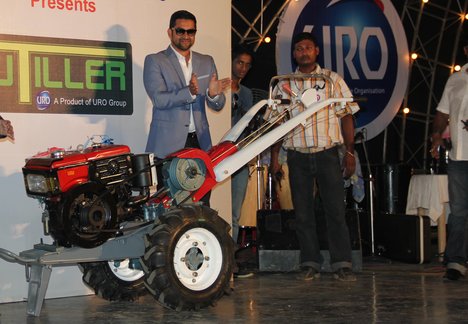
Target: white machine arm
234,133
234,162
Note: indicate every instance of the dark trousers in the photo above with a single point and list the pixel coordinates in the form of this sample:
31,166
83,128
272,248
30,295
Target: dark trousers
455,251
191,142
324,168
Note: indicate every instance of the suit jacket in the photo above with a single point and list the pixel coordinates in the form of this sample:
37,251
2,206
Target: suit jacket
166,86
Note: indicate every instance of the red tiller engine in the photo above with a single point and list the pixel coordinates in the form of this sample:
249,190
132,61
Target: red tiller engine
87,193
93,194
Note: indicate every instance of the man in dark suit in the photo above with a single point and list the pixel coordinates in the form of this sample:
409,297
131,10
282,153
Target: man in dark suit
179,82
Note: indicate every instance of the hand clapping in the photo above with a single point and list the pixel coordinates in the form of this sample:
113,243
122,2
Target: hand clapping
193,85
218,86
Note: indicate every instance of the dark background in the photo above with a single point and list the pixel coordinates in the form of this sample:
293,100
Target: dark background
433,31
424,89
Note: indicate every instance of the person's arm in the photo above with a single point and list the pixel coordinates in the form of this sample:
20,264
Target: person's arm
438,126
6,129
275,166
347,127
159,80
441,119
215,97
347,130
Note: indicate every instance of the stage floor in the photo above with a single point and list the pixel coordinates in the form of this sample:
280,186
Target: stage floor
385,292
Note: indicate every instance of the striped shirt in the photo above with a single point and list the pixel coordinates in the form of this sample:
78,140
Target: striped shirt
322,129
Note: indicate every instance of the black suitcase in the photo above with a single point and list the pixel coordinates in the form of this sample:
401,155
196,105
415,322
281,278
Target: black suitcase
404,237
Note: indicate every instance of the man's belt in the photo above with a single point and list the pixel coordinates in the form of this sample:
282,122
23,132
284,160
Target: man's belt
307,150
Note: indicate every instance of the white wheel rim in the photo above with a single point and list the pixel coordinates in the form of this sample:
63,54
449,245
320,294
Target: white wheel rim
122,270
198,259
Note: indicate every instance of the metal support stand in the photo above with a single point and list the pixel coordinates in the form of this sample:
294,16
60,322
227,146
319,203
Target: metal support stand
39,261
259,183
371,207
371,192
38,278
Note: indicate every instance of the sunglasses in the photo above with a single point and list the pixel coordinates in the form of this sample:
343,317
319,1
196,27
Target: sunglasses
181,31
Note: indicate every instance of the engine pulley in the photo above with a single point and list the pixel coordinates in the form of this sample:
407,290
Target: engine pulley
186,174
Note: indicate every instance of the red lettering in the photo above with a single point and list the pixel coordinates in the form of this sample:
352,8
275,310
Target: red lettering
68,5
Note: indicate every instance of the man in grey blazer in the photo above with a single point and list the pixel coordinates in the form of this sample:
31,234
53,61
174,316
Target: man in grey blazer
179,82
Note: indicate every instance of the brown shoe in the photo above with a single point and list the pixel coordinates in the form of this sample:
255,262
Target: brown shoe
308,273
344,274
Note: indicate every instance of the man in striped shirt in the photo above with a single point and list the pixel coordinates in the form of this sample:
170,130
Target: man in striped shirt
314,163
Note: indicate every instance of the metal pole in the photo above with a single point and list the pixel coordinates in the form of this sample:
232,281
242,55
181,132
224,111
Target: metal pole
259,183
401,156
371,191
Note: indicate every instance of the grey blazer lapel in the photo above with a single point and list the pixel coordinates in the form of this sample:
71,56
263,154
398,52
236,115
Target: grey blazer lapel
197,68
175,63
195,62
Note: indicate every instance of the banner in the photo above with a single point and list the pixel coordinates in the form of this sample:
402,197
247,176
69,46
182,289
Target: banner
65,76
363,41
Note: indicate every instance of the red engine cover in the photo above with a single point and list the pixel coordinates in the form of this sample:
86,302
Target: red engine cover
46,160
72,167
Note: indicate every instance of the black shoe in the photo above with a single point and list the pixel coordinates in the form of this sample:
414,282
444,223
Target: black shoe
344,274
308,273
453,275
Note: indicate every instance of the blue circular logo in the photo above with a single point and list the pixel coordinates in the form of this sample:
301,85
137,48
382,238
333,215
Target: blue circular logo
363,41
43,100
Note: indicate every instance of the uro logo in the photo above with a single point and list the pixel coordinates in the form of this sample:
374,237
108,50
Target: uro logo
363,41
43,100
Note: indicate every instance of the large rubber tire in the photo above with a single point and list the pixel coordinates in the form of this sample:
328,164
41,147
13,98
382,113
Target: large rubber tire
188,258
113,280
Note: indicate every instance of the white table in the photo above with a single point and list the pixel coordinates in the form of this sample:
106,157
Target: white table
428,195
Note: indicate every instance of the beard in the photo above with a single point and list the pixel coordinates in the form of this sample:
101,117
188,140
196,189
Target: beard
183,46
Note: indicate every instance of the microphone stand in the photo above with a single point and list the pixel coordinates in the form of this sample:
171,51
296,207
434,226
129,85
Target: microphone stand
371,190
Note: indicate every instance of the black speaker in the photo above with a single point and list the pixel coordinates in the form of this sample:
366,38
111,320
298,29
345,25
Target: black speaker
276,230
392,182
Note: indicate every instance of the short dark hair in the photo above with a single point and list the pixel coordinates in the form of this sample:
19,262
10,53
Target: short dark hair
182,14
303,36
239,50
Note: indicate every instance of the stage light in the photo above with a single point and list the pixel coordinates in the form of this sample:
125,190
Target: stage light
267,39
414,56
466,16
457,68
406,110
425,1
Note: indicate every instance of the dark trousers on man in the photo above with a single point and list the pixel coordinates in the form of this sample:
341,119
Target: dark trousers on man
455,251
324,169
